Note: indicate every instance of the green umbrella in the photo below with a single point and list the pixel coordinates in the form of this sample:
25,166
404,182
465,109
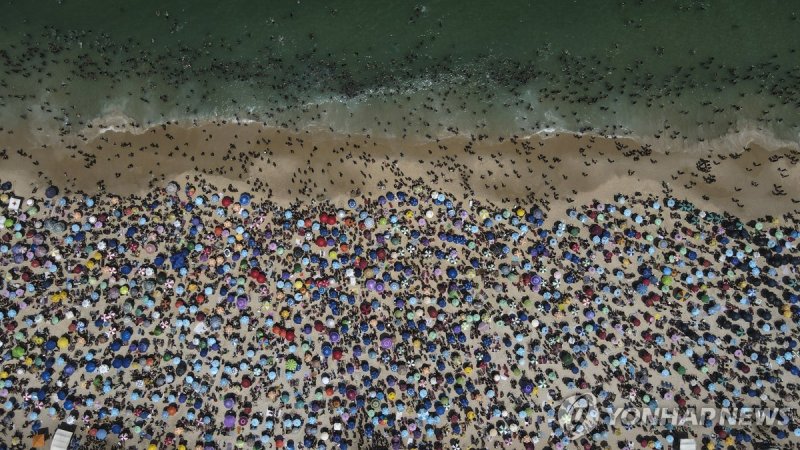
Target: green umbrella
18,352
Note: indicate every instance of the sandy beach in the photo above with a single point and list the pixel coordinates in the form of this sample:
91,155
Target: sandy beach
228,284
434,225
558,169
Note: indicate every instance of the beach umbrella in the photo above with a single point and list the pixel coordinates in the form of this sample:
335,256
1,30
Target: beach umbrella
181,369
18,352
51,191
351,393
229,421
215,322
527,386
241,302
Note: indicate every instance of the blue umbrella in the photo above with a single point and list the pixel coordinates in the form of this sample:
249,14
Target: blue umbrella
51,191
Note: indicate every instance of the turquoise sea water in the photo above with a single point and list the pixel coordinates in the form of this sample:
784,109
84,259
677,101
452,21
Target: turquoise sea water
685,69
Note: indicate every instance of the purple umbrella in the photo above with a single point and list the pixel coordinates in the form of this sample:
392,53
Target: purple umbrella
241,302
230,421
386,342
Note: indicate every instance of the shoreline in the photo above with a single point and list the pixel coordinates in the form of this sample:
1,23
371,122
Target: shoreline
558,169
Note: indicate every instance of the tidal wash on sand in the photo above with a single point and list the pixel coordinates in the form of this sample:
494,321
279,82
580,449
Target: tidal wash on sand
196,317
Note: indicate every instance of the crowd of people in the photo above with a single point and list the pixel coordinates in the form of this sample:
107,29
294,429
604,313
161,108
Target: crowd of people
191,317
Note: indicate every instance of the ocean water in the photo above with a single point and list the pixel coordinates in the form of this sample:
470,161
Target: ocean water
679,70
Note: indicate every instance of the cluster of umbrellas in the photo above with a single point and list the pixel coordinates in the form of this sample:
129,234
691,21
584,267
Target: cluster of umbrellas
189,317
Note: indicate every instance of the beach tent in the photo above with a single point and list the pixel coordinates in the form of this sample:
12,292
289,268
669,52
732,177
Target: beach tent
37,441
62,437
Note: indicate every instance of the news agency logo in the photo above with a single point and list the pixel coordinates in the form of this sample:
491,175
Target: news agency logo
579,415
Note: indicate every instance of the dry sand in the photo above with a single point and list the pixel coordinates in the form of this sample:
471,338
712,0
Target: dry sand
559,171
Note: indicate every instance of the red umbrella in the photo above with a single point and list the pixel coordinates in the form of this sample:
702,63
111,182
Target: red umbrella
290,335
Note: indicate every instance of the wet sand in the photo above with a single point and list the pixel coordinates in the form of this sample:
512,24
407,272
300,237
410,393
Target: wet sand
555,169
